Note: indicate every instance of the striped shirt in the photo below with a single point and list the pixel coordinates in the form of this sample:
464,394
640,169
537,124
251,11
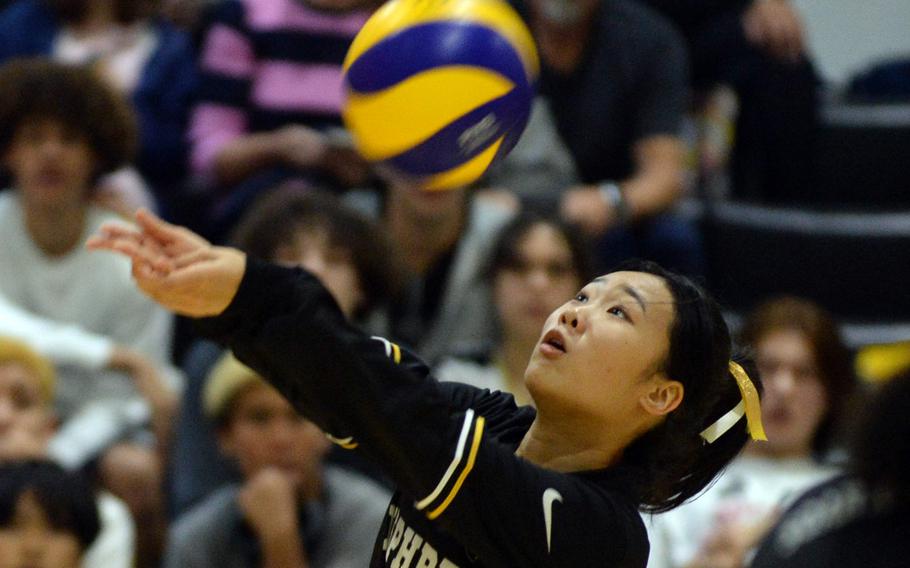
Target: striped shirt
266,64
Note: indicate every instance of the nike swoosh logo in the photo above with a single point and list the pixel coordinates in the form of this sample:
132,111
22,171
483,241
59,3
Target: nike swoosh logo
549,496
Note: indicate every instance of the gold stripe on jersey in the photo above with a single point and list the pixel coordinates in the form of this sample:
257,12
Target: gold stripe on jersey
392,350
478,434
453,466
346,443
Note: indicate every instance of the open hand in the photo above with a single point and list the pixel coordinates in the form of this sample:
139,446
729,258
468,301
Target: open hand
174,266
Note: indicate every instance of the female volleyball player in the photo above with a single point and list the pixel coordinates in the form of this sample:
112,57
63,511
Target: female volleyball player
638,406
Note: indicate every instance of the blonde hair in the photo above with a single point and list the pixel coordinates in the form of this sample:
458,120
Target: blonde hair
15,352
227,378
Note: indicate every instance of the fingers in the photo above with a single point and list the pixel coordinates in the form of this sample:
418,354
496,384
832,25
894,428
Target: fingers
156,227
108,233
193,257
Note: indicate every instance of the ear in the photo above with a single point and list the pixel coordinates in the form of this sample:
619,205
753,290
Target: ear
662,397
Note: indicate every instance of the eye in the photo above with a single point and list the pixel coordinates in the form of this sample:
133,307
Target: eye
581,297
618,311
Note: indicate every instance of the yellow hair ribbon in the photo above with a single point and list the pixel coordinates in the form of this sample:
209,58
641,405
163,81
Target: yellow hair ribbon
749,406
750,397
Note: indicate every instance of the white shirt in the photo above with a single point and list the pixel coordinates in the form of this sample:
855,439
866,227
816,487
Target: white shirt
746,492
93,290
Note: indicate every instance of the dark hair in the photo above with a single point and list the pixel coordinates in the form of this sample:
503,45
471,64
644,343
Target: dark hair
831,356
505,253
672,462
880,452
38,88
125,11
279,215
67,499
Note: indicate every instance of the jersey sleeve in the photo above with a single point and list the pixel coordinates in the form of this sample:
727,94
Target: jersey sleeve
432,439
663,87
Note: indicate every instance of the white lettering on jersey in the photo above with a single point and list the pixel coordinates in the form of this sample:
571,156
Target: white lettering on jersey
408,548
404,542
549,496
429,558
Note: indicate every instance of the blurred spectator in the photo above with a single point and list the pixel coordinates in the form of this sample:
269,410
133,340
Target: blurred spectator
27,423
444,239
63,343
270,100
537,263
296,228
808,383
538,170
189,15
758,47
48,517
291,510
615,76
61,129
142,56
861,519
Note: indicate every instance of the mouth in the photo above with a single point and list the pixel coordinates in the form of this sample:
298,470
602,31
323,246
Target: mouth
553,342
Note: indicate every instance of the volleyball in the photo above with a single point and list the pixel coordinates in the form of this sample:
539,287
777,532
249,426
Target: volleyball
438,90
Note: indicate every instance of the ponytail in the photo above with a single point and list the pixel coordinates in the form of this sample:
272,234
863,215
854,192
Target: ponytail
672,462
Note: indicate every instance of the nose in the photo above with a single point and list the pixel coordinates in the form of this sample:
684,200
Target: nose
282,434
571,317
783,381
51,146
538,279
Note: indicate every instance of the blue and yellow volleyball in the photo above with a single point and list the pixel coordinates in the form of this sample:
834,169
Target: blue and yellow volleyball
438,90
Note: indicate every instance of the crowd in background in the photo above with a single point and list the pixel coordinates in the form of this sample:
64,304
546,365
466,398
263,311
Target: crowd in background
127,441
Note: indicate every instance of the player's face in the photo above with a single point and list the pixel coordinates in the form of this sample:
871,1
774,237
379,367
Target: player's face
51,165
29,540
599,352
538,282
331,264
26,422
795,401
264,431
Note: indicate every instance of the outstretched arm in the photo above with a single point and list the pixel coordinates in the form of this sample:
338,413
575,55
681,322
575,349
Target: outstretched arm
174,266
442,444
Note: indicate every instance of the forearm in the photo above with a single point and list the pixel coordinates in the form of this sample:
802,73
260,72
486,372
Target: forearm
658,180
648,194
62,343
361,390
161,398
248,154
283,551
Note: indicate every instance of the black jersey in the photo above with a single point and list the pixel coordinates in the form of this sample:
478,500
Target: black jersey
838,523
464,498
